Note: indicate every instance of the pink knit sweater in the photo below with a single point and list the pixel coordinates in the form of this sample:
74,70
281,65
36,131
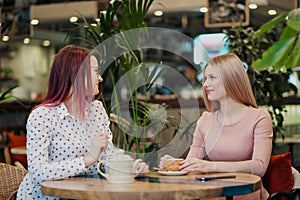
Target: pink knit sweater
249,139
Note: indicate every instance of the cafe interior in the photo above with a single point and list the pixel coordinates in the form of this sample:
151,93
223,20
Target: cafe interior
186,34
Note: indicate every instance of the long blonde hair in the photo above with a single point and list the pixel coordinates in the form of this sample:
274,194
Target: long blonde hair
235,79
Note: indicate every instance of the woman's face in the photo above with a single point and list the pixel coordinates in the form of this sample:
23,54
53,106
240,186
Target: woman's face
213,85
96,78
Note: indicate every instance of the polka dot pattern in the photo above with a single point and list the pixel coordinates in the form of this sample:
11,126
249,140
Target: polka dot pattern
56,144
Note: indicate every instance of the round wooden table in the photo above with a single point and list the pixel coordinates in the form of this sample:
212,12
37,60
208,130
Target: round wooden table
153,186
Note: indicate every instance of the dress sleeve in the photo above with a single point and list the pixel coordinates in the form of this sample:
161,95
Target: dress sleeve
197,149
105,122
263,134
39,135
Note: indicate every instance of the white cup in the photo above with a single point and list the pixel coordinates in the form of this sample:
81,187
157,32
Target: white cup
120,169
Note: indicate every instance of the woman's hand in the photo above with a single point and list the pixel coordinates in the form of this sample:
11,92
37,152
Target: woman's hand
98,145
196,165
140,167
163,159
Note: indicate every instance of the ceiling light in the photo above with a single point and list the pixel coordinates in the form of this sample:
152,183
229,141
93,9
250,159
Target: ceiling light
203,9
34,22
158,13
5,38
272,12
46,43
26,40
73,19
252,6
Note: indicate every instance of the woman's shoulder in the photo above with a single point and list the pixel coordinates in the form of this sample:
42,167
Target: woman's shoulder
259,112
40,113
41,109
98,104
205,116
98,107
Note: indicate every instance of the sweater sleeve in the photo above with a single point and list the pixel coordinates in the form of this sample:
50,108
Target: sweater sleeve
262,149
197,149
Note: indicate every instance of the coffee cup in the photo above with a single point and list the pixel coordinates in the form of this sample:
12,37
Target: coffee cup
119,169
172,164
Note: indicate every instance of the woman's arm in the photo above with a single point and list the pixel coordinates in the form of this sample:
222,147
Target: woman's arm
263,134
140,166
40,129
197,149
260,158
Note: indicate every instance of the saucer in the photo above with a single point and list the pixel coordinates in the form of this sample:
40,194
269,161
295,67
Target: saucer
172,173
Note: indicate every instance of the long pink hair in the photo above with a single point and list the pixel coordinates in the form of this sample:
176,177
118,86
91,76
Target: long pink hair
70,76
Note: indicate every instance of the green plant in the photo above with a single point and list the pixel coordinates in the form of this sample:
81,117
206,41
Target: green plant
285,52
6,97
269,85
6,72
120,16
117,21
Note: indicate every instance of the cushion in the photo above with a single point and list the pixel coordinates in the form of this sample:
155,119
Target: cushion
17,141
278,176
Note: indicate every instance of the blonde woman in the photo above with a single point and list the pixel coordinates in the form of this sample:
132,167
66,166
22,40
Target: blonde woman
233,134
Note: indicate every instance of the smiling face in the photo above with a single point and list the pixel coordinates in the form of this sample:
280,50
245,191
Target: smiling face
95,76
213,85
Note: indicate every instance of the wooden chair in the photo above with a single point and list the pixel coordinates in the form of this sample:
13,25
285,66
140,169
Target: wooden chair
7,155
10,180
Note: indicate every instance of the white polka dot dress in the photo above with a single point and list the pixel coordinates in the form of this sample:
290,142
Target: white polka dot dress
56,144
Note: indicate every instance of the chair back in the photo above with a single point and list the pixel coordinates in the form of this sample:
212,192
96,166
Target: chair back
10,180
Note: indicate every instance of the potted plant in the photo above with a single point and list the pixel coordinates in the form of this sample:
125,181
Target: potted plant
117,21
270,84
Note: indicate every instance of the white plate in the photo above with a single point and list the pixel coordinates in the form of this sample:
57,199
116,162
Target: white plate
172,173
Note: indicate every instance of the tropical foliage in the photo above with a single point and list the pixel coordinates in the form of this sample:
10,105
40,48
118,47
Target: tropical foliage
120,17
269,85
6,97
285,52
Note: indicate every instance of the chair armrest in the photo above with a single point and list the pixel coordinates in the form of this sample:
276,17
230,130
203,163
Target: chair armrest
292,195
296,176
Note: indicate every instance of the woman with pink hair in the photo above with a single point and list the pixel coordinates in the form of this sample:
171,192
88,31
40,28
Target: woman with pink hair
68,133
